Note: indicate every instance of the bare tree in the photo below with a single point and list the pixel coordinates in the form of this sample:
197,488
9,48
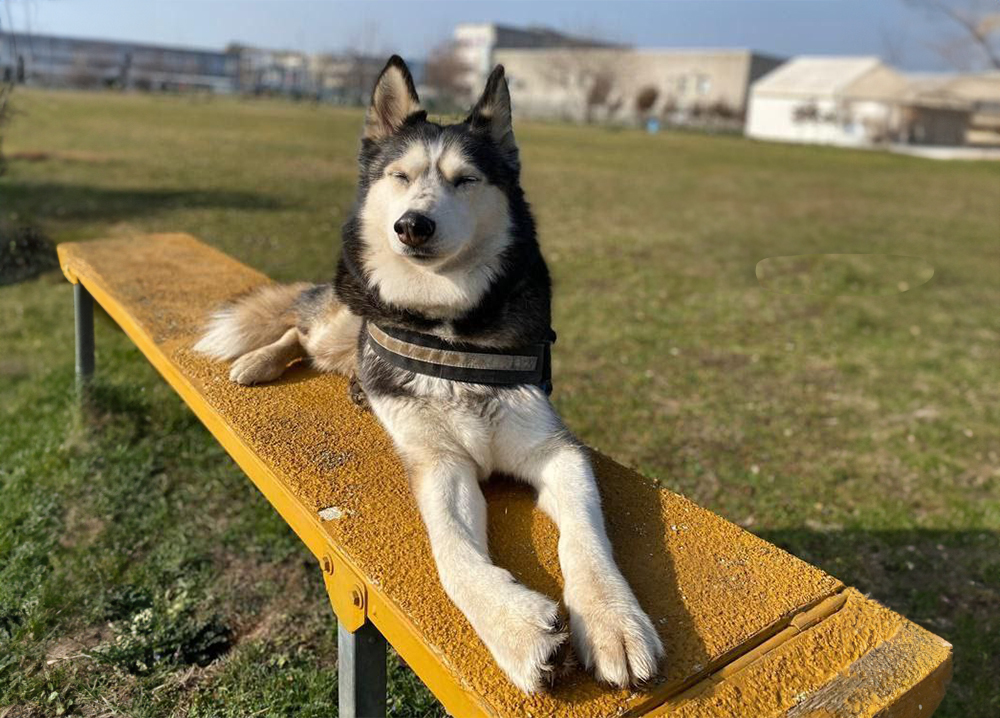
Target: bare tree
602,83
362,72
646,98
894,44
365,60
446,74
592,75
970,37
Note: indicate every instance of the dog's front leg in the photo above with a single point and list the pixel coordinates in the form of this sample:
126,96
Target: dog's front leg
520,627
611,633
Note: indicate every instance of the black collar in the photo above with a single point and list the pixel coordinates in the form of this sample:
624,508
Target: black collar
432,356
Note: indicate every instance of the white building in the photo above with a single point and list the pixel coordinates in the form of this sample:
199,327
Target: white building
476,45
851,101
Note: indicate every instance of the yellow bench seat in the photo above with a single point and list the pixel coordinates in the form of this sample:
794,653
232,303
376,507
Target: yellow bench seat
750,631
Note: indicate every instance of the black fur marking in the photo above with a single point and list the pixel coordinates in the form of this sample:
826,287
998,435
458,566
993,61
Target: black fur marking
385,114
311,305
492,115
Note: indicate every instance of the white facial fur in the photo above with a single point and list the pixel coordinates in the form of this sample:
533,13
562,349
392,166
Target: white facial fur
472,228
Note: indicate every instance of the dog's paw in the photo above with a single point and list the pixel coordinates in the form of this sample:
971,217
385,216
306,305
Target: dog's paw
528,639
613,636
256,367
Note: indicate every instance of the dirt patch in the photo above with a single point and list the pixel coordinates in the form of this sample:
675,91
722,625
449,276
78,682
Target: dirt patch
24,253
264,613
77,645
19,711
81,529
14,369
65,156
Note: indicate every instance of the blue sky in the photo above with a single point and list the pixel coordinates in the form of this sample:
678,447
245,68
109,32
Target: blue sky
783,27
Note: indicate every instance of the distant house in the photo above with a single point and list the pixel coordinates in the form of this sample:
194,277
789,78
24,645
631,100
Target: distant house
74,62
627,85
982,91
852,101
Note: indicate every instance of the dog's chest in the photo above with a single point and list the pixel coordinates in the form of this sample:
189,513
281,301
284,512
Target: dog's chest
441,416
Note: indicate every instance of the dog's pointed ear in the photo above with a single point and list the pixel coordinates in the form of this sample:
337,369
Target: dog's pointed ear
491,114
394,99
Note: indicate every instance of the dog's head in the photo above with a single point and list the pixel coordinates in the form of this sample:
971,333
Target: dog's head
435,198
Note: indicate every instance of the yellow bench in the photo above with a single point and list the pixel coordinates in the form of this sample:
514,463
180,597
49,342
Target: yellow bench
750,631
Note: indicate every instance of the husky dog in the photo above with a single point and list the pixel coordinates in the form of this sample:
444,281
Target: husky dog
440,309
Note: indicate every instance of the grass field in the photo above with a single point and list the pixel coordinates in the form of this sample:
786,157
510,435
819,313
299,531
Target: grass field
141,574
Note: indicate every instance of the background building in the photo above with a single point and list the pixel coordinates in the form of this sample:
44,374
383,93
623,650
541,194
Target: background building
627,85
852,101
346,79
263,71
73,62
340,78
476,45
982,92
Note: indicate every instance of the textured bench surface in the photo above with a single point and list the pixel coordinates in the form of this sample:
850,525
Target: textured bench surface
749,629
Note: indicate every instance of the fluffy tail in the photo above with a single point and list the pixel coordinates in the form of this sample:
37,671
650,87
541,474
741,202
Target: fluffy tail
251,322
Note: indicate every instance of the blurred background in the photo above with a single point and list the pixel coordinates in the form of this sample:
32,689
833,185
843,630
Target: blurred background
773,228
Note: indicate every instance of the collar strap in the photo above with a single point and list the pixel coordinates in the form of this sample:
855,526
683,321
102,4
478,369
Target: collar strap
429,355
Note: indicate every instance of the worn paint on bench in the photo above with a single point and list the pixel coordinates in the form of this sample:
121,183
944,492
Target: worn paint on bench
714,591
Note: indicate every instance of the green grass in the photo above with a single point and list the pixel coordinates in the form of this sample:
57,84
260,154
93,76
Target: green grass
141,573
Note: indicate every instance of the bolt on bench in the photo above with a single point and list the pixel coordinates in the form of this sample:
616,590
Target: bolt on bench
750,630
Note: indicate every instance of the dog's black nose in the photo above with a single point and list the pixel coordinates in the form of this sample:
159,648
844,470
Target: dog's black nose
414,228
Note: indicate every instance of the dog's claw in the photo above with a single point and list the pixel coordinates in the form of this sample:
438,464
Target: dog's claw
560,661
559,624
357,394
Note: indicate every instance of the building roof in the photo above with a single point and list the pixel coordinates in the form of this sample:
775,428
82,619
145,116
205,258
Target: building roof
983,88
552,37
680,52
510,36
954,89
815,75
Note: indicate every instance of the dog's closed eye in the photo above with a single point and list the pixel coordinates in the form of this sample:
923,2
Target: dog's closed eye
465,180
401,176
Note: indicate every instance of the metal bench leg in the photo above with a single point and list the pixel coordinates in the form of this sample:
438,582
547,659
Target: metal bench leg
84,308
361,672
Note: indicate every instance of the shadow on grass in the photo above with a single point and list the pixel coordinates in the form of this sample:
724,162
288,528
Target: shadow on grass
946,581
61,201
24,253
